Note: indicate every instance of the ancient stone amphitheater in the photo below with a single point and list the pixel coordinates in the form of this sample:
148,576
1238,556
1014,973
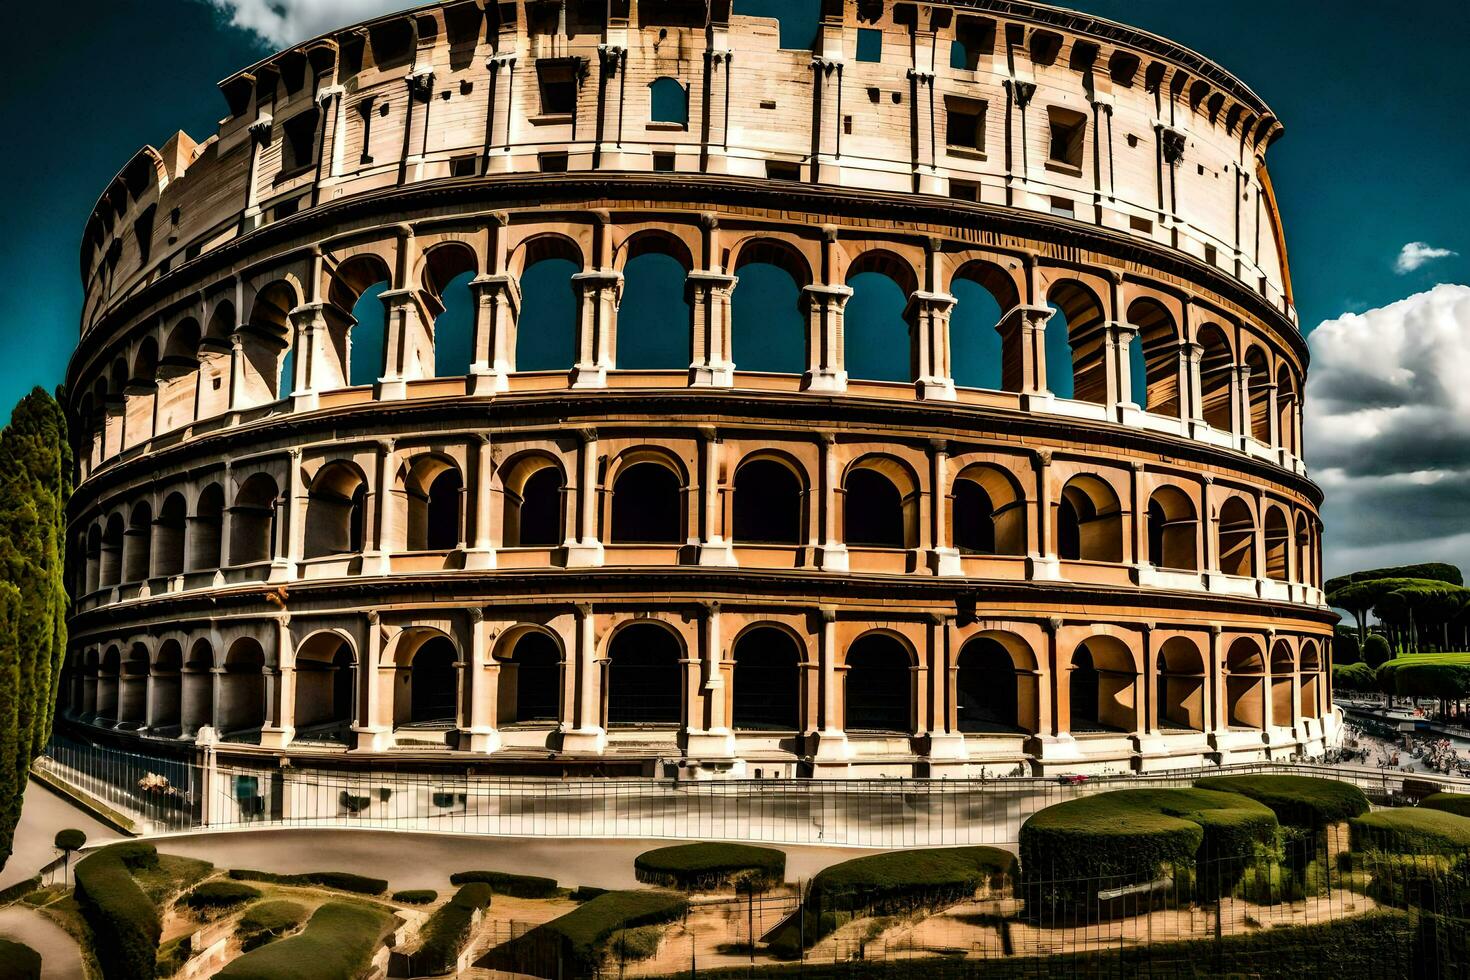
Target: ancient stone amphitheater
643,387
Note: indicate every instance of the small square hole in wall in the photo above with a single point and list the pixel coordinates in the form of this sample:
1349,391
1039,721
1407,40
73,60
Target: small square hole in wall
553,163
964,190
768,103
1211,255
1063,207
1132,140
1140,224
465,166
663,163
873,94
286,208
782,170
218,382
847,125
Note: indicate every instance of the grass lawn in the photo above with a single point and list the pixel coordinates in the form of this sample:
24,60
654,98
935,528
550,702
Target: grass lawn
171,878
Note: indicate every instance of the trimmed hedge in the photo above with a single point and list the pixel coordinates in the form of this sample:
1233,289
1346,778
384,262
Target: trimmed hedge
1298,801
586,893
219,895
1411,830
124,922
705,867
339,941
340,880
579,937
504,883
70,839
415,896
1456,803
265,922
18,961
1072,851
448,929
19,890
895,882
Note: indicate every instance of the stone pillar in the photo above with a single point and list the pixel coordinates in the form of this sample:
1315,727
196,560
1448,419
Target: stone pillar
597,325
586,734
481,688
290,520
945,742
481,553
832,552
321,352
280,722
409,339
372,733
831,740
711,366
1023,358
826,362
714,545
1043,561
1240,397
376,557
1192,385
583,547
1118,361
944,557
712,739
1273,421
497,307
929,315
238,395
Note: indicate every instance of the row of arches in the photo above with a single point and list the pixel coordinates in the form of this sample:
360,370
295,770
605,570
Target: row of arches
998,685
645,499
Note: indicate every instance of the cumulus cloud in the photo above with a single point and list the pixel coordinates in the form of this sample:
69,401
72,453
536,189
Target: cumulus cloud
281,23
1415,254
1388,431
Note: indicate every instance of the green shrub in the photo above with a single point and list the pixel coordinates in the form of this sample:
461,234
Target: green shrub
339,941
340,880
18,961
579,938
503,883
1376,651
448,929
1072,851
219,895
1298,801
172,956
1411,830
415,896
705,867
19,890
586,893
1354,677
640,943
70,839
266,922
1427,881
124,922
1456,803
895,882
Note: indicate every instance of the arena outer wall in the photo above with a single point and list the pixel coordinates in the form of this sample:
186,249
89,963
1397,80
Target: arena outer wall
705,570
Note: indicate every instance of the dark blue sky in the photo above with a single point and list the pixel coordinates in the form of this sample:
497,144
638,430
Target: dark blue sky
1372,94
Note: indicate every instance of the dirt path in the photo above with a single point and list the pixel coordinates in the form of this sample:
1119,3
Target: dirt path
60,957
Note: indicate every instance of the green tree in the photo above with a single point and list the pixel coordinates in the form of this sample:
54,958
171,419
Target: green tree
1345,648
1376,651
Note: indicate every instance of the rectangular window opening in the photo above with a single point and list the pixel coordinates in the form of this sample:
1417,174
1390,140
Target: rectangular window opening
964,190
298,149
466,166
553,163
782,170
1068,130
663,163
1140,224
1063,207
964,126
557,78
869,44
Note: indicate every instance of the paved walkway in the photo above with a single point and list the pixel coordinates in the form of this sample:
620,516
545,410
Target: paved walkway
60,957
43,813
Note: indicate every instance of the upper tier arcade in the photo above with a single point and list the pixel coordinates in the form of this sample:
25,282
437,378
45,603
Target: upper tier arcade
988,104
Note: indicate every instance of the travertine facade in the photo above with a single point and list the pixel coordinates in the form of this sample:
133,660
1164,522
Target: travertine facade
797,571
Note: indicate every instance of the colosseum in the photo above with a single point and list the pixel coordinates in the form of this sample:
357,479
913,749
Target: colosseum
637,387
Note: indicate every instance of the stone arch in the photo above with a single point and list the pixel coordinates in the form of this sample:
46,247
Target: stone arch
336,511
178,375
529,691
434,498
1173,530
996,685
533,488
1278,544
645,675
878,684
880,503
980,357
769,500
1237,534
266,341
1089,521
1180,685
1283,690
767,688
988,512
326,686
1158,341
242,688
1075,354
206,529
166,706
137,555
546,323
647,505
1260,384
196,687
878,341
132,687
1245,680
169,534
94,557
655,320
112,549
215,352
355,288
1102,686
768,306
1312,681
448,267
1304,552
253,520
1217,376
426,682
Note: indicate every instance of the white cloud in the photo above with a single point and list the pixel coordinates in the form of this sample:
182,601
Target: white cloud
282,23
1415,254
1388,431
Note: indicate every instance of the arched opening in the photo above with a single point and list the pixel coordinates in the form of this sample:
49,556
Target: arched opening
768,308
206,539
879,505
546,328
242,689
530,680
1103,687
336,511
768,503
169,535
1237,538
1075,365
325,674
196,686
878,686
215,352
356,289
434,494
668,102
1304,562
108,673
112,550
1180,697
1217,377
988,512
877,344
253,521
533,503
1260,383
138,543
132,688
1283,671
1173,530
983,294
1089,521
1311,682
645,680
1245,679
1286,407
165,709
993,693
429,687
94,558
654,320
1158,342
178,376
265,343
647,505
767,681
448,270
1278,545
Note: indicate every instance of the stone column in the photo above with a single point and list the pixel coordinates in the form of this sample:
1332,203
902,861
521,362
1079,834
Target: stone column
1023,360
1043,562
597,324
583,547
944,741
944,557
832,552
321,352
481,553
929,315
372,733
480,677
291,521
376,557
1192,385
713,739
1240,397
280,723
497,307
587,733
1118,359
238,396
714,545
711,366
826,363
409,338
831,740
